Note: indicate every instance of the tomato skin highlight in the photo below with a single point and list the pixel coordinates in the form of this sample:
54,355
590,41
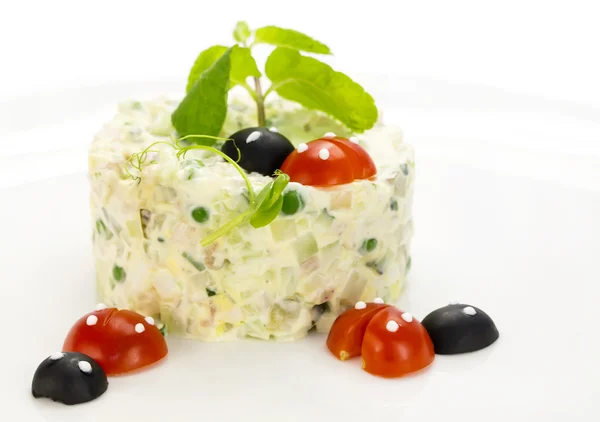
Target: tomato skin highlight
361,162
114,342
395,354
309,169
346,334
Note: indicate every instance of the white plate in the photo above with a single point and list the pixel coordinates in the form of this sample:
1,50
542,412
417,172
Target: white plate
518,236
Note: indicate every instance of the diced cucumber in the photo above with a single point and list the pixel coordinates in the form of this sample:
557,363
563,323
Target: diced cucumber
196,264
378,266
404,168
305,247
283,229
103,230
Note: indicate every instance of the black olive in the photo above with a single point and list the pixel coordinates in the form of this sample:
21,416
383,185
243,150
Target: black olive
459,328
260,150
69,378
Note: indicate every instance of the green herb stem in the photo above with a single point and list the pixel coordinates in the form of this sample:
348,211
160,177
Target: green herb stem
260,102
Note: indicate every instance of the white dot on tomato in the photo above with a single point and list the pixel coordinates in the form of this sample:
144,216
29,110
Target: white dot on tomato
139,328
91,320
329,135
302,147
354,139
324,154
378,300
85,367
149,320
360,305
407,317
100,307
392,326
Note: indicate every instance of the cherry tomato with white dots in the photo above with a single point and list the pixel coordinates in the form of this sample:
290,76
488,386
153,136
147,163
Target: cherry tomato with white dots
328,161
395,344
121,341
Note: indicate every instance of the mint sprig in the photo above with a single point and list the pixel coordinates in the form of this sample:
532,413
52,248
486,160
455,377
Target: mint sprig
295,77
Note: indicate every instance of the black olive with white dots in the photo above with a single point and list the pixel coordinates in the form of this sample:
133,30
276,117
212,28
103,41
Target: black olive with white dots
69,378
261,150
460,328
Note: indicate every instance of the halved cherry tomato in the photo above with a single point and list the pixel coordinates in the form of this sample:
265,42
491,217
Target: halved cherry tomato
313,167
346,335
120,341
328,162
395,344
360,160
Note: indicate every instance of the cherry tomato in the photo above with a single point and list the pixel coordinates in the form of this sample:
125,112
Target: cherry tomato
361,161
395,344
328,162
121,341
346,335
322,163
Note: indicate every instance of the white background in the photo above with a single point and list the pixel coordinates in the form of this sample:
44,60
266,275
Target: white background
548,48
500,99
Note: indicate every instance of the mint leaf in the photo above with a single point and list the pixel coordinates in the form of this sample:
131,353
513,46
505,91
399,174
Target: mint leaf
243,64
241,31
204,109
315,85
281,37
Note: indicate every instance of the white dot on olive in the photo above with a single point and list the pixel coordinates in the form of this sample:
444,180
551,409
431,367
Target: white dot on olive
378,300
149,320
57,356
85,367
100,307
453,303
274,129
469,310
407,317
329,135
354,139
324,154
139,328
253,136
302,147
360,305
392,326
91,320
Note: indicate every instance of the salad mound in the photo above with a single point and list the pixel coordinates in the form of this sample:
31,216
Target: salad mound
221,227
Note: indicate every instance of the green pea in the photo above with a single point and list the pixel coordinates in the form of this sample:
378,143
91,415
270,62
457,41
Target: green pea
369,245
200,214
118,273
292,202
